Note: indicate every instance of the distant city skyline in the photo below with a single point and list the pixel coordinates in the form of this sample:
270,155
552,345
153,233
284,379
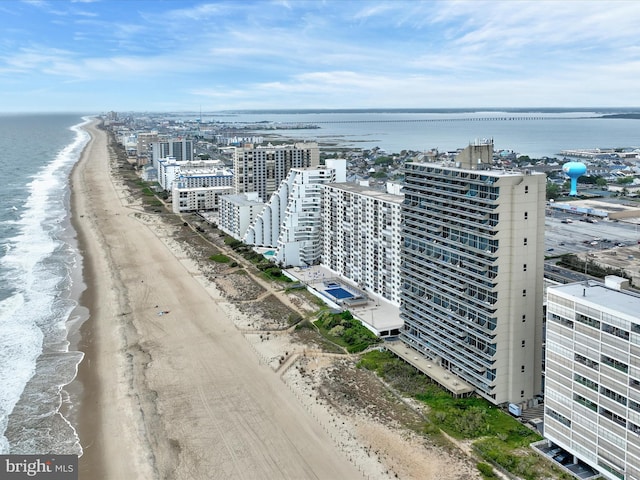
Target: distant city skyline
93,56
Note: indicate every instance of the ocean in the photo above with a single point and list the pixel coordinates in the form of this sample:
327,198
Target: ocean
40,282
40,265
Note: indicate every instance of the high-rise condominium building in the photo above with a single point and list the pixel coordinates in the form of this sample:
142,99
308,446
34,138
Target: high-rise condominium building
472,272
592,375
361,237
180,149
262,168
145,140
291,222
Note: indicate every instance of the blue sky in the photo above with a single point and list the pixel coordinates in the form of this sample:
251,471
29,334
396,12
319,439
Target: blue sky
128,55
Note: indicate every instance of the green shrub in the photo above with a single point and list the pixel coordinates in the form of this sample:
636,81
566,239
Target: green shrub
219,258
486,470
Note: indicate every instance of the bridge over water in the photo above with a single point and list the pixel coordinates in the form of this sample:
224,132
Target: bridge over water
440,120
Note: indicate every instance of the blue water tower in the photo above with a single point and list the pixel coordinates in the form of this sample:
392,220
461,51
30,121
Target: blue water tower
574,170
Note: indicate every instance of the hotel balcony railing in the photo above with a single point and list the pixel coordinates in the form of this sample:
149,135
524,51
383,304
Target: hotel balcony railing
455,220
453,331
474,261
452,218
436,329
463,200
481,330
447,270
464,298
447,209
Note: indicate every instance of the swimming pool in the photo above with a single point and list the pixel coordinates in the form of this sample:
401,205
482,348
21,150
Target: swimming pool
339,293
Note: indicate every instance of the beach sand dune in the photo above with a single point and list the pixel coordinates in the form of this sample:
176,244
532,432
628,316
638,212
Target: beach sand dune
171,389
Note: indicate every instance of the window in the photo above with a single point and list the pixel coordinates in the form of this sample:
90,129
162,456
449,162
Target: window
522,369
524,293
558,417
613,417
526,189
586,361
523,343
561,320
587,320
526,215
525,241
585,381
612,362
586,402
621,399
524,267
524,318
618,332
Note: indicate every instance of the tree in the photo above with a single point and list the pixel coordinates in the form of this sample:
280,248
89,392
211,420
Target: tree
601,182
553,191
624,180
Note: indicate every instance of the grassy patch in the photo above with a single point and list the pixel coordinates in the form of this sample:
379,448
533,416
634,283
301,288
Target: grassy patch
501,438
220,258
486,471
346,331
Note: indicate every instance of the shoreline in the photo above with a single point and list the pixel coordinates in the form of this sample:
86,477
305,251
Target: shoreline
82,389
181,395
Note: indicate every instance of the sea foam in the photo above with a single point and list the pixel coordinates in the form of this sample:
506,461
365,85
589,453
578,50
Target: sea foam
36,272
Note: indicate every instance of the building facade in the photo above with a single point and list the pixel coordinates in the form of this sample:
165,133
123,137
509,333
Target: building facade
180,149
592,375
291,222
361,237
200,174
194,199
472,272
238,212
144,148
261,169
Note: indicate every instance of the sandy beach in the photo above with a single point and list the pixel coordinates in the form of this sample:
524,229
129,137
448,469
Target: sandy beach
178,381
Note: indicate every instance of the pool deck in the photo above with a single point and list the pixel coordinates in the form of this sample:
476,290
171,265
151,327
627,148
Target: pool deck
377,313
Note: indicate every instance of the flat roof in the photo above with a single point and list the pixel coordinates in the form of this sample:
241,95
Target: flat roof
609,206
596,293
368,191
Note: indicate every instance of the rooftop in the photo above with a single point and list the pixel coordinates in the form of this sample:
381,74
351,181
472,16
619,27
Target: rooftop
597,294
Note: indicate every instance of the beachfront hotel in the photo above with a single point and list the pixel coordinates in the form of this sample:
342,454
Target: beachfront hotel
472,272
199,174
592,375
291,221
261,168
361,237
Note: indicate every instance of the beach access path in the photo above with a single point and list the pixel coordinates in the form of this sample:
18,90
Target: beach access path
177,395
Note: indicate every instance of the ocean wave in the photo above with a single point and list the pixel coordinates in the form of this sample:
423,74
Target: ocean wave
35,272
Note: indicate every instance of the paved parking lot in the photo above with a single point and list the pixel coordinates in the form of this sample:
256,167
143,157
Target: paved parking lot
579,236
